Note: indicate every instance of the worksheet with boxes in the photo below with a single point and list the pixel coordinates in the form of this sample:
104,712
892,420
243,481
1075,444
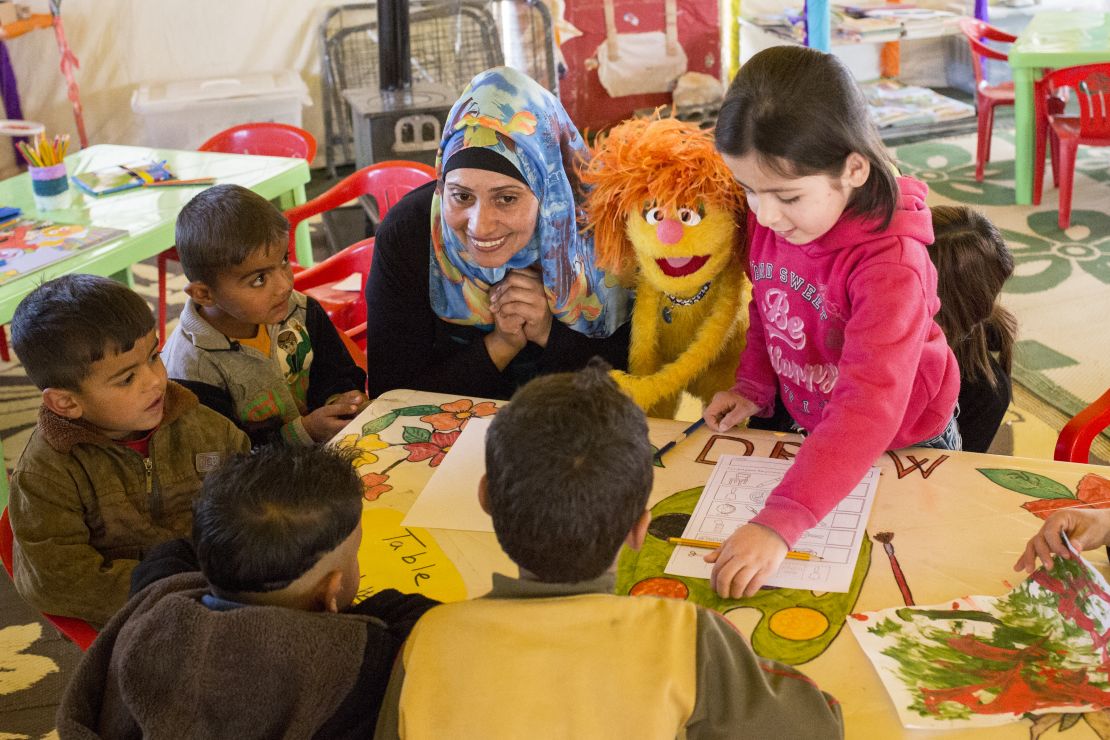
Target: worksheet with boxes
736,492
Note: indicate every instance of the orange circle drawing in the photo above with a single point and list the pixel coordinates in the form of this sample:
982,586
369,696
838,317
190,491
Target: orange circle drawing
798,623
668,588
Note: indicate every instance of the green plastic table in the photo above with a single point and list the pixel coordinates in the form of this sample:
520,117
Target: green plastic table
1053,39
147,214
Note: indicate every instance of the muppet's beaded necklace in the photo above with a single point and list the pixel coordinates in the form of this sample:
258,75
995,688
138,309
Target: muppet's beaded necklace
667,316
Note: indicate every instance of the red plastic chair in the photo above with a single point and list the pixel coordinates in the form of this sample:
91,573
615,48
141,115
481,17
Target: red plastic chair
386,182
987,96
1091,83
1074,442
266,139
81,633
345,308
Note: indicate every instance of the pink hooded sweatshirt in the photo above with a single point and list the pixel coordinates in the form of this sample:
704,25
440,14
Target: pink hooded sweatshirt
843,329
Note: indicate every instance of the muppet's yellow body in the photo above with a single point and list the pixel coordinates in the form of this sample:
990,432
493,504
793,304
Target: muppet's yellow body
667,214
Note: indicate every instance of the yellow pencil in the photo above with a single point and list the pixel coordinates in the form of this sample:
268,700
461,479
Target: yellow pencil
711,545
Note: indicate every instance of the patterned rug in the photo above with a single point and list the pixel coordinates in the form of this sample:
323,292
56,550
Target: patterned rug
1061,283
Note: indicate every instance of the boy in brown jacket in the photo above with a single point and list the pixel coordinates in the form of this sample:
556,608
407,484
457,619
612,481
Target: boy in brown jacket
118,454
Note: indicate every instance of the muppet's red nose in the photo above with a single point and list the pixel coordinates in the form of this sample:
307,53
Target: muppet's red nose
669,231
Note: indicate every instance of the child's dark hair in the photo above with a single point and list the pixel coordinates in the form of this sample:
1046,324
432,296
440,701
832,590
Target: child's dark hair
973,262
222,226
66,324
263,520
802,113
569,470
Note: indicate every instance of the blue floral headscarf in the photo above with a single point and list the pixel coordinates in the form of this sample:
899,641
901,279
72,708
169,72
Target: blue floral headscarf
506,111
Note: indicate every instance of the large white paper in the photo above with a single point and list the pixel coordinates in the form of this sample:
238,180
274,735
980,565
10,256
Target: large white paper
450,500
736,492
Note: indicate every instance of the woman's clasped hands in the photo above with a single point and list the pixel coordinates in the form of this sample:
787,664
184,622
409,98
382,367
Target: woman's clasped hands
520,314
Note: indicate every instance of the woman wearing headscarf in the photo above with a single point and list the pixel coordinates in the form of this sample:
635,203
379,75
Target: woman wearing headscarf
484,279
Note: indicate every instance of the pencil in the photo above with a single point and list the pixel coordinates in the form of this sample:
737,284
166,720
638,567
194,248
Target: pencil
172,183
685,433
711,545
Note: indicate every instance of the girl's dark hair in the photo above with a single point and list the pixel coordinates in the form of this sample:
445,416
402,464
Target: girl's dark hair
801,111
973,263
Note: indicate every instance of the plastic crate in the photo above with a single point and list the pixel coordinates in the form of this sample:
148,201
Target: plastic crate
185,113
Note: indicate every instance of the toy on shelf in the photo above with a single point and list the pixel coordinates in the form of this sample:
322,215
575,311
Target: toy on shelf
668,218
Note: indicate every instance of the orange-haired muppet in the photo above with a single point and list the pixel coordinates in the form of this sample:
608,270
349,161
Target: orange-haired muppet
668,218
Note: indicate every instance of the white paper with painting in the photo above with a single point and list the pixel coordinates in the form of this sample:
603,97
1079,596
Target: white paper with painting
980,661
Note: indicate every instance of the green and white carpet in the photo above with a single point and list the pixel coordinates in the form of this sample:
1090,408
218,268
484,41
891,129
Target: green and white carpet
1060,291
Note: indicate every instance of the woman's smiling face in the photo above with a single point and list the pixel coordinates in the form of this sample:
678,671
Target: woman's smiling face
493,215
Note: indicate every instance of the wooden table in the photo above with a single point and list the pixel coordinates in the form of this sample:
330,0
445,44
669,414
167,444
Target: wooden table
956,531
148,215
1053,39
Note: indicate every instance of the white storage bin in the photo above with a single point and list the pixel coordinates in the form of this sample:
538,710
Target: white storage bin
184,114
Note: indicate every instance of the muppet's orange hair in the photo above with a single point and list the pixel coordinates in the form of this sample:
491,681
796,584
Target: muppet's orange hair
663,161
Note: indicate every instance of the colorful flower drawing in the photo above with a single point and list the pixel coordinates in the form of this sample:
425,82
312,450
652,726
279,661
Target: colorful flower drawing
434,449
1092,491
365,446
373,486
455,414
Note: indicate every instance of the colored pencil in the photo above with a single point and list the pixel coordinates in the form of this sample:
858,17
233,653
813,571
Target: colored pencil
171,183
685,433
711,545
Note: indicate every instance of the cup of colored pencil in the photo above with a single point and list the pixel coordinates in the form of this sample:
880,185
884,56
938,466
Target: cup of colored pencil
46,165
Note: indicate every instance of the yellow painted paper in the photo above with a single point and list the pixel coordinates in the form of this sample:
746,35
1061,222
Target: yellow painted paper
405,558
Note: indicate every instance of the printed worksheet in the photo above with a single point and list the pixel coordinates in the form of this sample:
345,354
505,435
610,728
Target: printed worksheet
736,492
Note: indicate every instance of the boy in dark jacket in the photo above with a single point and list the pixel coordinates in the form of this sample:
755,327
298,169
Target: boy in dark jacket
117,456
264,641
247,344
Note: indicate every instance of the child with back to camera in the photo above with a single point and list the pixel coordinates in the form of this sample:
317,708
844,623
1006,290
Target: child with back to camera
973,263
263,642
843,299
555,653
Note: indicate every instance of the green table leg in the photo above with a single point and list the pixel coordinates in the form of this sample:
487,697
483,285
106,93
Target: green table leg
287,200
124,276
1024,128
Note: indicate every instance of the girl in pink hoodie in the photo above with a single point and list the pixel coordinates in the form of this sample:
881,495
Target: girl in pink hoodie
843,299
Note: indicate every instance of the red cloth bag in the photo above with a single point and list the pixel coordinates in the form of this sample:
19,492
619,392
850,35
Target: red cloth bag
588,103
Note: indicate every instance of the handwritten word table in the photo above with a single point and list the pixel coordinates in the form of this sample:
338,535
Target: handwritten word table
148,215
1052,40
944,525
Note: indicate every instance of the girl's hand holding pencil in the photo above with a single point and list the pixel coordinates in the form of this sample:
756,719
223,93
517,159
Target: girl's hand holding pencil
745,561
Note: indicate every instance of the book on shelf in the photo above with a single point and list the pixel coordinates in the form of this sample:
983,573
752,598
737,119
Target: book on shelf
122,177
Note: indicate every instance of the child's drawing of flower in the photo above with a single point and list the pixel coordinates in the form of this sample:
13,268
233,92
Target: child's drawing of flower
373,486
434,449
18,669
365,446
1092,491
455,414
